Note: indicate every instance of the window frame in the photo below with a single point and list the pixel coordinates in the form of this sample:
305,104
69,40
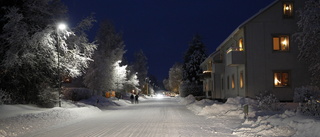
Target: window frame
280,43
241,80
233,84
281,72
284,14
241,44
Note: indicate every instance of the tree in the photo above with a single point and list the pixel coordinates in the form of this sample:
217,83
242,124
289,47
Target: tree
175,77
29,49
119,76
101,74
140,66
194,56
166,84
309,38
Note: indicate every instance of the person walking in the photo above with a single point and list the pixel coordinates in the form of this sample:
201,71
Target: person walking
137,99
132,98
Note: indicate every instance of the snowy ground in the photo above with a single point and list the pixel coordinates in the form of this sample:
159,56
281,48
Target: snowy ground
154,117
286,122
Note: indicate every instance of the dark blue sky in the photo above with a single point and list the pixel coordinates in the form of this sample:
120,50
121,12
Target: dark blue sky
164,28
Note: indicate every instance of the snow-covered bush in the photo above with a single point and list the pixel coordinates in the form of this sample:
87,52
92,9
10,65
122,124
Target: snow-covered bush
5,98
312,108
268,101
76,94
305,93
310,95
188,100
187,88
48,98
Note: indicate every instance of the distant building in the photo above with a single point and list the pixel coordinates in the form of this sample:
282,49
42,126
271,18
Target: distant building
261,54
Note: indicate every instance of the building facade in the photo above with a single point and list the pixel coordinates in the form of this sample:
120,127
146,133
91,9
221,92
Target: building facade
261,54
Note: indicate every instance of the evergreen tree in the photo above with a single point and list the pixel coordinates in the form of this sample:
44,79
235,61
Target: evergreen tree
194,56
175,77
140,66
309,38
100,76
29,49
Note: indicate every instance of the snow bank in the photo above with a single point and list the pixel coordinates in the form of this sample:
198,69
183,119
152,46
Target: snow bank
17,120
258,123
233,107
197,106
187,100
21,119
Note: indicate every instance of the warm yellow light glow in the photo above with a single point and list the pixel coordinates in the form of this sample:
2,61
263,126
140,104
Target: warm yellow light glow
206,72
240,45
287,7
276,81
284,42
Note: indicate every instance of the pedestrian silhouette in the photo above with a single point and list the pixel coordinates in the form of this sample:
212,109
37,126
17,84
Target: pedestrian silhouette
137,99
131,98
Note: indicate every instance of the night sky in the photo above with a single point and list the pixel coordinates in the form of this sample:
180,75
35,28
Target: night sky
164,28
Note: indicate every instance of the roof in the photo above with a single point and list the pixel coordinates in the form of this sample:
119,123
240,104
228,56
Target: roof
245,22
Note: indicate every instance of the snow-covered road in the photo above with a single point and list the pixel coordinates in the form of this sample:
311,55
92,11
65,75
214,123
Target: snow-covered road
152,117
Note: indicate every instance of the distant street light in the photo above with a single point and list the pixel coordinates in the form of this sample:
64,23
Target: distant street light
61,26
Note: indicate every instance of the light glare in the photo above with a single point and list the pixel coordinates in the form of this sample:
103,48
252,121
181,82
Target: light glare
62,26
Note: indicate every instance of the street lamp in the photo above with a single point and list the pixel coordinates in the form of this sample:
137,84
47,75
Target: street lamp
61,26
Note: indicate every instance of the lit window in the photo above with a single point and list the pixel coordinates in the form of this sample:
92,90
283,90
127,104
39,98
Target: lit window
281,79
232,82
240,44
281,43
288,9
241,80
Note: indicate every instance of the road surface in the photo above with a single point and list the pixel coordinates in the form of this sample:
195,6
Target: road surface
150,118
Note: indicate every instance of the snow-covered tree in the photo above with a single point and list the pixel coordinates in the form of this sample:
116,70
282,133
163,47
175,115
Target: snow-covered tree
194,56
100,76
309,38
132,83
166,84
175,77
140,66
29,51
119,76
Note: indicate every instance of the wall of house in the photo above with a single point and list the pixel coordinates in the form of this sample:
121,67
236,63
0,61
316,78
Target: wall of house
231,73
262,61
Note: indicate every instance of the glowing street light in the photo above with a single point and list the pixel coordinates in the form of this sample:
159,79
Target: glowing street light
61,26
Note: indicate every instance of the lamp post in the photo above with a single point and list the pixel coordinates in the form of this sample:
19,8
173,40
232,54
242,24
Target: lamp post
147,84
61,26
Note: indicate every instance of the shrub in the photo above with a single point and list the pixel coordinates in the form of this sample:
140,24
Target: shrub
187,88
76,94
305,93
308,96
5,97
48,98
268,101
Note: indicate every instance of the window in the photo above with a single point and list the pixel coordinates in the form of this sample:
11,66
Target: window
232,82
281,79
288,9
280,43
241,82
240,44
